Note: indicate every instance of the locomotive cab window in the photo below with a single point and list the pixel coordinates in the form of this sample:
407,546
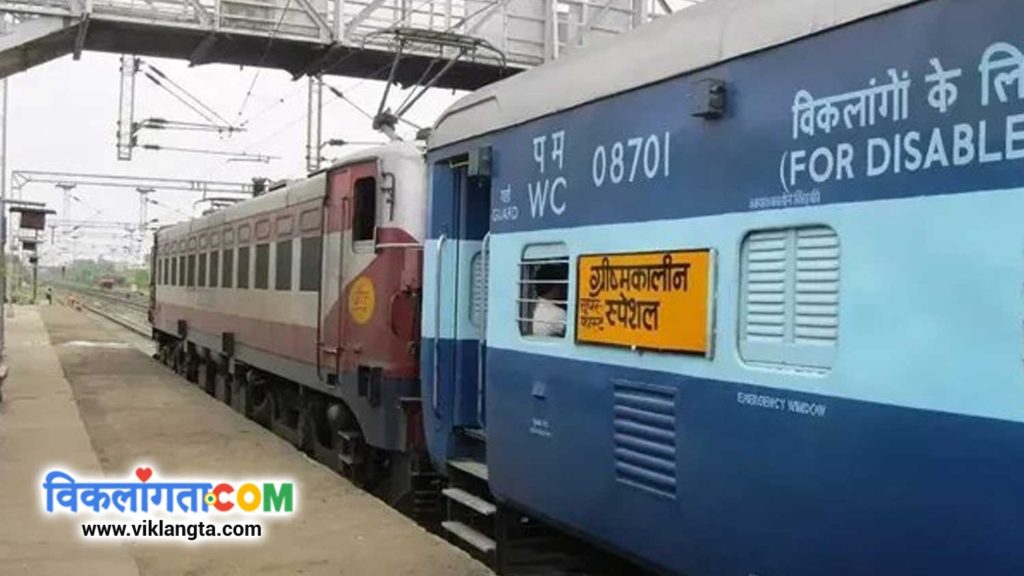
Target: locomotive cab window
789,301
543,291
364,216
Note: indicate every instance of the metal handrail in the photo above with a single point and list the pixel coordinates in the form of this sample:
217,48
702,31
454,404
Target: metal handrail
482,340
435,397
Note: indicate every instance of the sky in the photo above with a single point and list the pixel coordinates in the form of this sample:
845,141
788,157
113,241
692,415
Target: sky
63,117
63,114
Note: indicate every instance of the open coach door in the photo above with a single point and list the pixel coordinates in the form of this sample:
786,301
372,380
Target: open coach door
460,220
462,200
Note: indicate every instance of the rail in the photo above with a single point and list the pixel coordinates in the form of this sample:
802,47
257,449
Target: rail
132,315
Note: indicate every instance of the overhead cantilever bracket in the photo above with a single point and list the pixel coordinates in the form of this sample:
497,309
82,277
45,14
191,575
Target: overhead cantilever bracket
441,39
385,120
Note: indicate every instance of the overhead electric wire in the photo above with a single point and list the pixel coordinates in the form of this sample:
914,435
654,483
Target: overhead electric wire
299,118
263,58
262,157
178,97
164,124
188,94
168,207
295,91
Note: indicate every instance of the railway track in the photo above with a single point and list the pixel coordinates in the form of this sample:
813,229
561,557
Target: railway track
124,308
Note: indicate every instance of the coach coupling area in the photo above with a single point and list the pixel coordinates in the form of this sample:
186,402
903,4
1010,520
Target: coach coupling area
83,393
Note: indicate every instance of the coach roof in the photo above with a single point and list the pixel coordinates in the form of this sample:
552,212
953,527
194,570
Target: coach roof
691,39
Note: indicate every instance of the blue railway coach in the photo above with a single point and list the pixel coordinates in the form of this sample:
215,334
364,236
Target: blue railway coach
740,293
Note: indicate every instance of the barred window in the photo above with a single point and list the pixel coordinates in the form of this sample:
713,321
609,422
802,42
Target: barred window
262,280
181,270
283,266
309,264
191,270
543,290
243,267
789,305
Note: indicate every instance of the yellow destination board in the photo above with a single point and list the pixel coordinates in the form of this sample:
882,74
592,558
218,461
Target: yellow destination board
649,300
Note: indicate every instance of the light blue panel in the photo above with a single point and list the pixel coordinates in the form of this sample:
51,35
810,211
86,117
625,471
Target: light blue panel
455,252
931,304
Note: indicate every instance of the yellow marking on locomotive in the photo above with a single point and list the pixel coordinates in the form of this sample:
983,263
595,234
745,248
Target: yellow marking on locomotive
361,300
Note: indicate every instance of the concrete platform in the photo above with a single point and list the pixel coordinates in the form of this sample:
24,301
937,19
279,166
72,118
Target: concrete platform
83,392
40,426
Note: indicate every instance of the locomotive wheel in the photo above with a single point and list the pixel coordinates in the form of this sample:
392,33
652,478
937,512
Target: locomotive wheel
178,360
262,402
192,366
239,394
203,372
209,376
324,436
306,429
222,386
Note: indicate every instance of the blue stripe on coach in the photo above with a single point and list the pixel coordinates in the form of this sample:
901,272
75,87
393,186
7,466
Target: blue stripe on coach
860,489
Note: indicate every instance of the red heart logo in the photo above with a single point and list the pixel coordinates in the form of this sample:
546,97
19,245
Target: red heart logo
143,473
